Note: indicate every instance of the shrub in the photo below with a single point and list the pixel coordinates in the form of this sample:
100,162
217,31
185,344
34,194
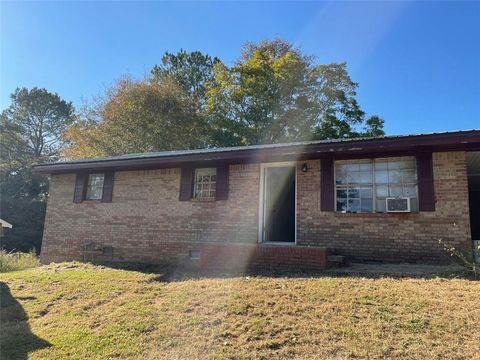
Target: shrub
467,261
11,261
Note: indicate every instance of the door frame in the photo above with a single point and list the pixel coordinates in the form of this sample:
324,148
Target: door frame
261,207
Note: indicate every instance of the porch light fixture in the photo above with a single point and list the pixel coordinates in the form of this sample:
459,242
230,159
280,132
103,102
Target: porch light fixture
304,167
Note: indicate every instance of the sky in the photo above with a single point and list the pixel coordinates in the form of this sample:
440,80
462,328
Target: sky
417,63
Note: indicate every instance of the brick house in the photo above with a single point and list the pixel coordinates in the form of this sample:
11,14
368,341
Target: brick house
283,205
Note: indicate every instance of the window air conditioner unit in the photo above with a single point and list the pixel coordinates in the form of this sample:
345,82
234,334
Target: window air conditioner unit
398,204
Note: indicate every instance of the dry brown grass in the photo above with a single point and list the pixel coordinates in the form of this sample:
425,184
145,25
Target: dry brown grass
86,312
12,261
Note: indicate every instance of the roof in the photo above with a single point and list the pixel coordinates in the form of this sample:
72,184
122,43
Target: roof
5,224
466,139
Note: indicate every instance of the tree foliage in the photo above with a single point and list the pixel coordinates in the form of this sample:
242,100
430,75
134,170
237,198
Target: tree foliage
30,133
192,71
138,116
274,93
38,118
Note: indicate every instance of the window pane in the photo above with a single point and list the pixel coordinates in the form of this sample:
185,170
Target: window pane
366,178
381,165
354,178
354,205
341,167
380,205
367,205
95,193
381,177
205,180
353,167
341,204
341,177
366,167
382,191
395,176
95,187
410,191
95,179
396,191
413,204
409,176
353,193
393,165
342,193
366,193
408,164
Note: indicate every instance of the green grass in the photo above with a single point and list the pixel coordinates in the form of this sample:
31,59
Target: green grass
12,261
80,311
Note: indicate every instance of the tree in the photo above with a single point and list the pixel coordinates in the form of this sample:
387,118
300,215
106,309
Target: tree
274,93
23,204
30,133
39,118
192,71
138,116
373,126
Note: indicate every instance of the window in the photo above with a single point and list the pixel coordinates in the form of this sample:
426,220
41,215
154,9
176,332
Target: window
363,185
194,254
95,187
205,183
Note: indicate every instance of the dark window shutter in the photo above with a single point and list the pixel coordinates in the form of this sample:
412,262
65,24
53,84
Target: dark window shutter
327,186
79,191
108,186
186,183
222,182
426,191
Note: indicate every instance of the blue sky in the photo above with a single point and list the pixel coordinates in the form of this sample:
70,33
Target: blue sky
418,64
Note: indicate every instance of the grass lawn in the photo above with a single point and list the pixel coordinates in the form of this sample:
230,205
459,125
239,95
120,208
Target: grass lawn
79,311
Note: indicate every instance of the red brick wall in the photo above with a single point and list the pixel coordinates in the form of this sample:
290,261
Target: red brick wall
261,257
146,221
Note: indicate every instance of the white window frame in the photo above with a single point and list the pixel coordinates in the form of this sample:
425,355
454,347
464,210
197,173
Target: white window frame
211,184
88,192
374,184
